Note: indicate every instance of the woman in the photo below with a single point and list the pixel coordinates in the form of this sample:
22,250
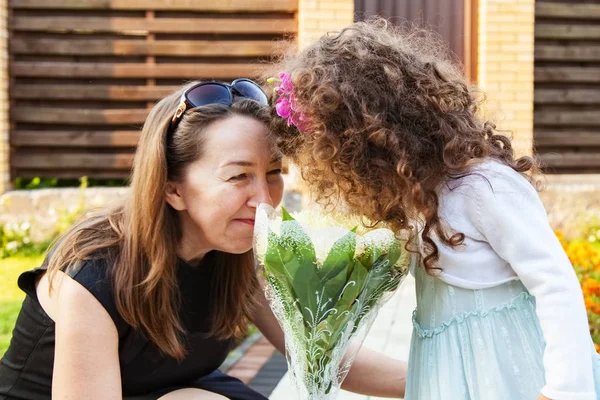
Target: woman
144,301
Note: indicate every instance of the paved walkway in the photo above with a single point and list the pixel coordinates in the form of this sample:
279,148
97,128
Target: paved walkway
390,334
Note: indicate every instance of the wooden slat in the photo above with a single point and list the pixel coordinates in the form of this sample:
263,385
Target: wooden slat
75,138
553,31
90,92
567,74
171,5
181,48
566,92
64,161
567,96
103,70
83,127
156,25
567,117
567,53
77,116
571,160
566,10
567,139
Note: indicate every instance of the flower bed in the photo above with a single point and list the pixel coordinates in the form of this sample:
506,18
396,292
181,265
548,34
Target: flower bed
585,258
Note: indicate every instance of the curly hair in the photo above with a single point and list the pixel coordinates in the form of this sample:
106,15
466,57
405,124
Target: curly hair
390,118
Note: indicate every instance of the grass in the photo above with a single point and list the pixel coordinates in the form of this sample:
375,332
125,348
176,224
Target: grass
11,296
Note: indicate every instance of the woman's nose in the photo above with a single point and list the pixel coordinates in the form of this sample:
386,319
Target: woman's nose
262,194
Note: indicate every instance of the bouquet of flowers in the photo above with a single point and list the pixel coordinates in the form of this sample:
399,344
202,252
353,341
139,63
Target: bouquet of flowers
325,281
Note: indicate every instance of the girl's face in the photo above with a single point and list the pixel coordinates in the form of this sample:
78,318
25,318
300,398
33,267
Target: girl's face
220,192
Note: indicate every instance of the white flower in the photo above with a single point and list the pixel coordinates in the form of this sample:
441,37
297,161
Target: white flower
26,240
25,226
324,230
316,220
380,238
11,245
323,240
592,238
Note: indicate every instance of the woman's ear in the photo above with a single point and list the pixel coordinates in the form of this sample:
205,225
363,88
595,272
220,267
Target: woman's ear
174,197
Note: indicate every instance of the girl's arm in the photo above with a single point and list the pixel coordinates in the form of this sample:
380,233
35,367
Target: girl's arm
86,357
372,373
511,218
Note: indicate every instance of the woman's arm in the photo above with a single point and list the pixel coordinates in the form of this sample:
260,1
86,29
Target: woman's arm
372,373
86,357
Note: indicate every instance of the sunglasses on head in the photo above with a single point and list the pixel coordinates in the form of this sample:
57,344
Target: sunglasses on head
207,93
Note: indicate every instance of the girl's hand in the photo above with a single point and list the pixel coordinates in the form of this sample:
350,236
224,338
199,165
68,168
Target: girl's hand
542,397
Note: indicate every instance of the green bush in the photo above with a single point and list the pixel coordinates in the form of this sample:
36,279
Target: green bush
45,183
15,238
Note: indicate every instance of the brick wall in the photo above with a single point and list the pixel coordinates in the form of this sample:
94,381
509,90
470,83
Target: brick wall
4,145
506,66
317,17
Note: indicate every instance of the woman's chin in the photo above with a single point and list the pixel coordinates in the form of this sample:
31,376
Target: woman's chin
238,248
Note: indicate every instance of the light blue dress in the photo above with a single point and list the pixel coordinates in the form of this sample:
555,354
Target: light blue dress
476,344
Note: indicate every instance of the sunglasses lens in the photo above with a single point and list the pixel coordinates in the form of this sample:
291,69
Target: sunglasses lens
251,90
209,94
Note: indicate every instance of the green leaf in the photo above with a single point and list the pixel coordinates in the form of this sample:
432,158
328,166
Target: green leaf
353,287
340,255
338,265
371,255
346,305
294,238
382,277
280,262
308,289
286,215
394,253
374,254
291,258
297,275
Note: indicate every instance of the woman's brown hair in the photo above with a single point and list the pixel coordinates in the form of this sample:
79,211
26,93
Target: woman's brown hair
138,238
387,119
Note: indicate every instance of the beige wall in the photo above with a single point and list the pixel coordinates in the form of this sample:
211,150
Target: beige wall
505,66
317,17
4,145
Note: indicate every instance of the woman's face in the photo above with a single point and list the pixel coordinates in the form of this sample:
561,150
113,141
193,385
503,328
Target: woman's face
220,192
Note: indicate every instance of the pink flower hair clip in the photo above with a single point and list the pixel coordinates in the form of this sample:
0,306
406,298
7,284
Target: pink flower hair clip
287,103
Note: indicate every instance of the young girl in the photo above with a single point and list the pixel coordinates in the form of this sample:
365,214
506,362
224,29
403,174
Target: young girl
379,119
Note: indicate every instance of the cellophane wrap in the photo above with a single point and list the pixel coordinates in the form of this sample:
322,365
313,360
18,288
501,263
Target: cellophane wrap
326,278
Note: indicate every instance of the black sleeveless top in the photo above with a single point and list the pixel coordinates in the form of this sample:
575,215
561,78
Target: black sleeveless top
26,368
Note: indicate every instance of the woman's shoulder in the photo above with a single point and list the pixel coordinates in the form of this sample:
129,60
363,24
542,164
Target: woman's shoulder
94,272
93,279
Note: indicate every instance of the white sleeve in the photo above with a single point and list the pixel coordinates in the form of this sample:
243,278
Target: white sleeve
513,220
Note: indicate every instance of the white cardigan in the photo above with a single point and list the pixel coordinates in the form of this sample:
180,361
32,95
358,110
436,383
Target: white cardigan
508,236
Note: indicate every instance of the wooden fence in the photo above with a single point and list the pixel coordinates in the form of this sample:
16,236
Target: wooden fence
84,73
567,85
454,20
